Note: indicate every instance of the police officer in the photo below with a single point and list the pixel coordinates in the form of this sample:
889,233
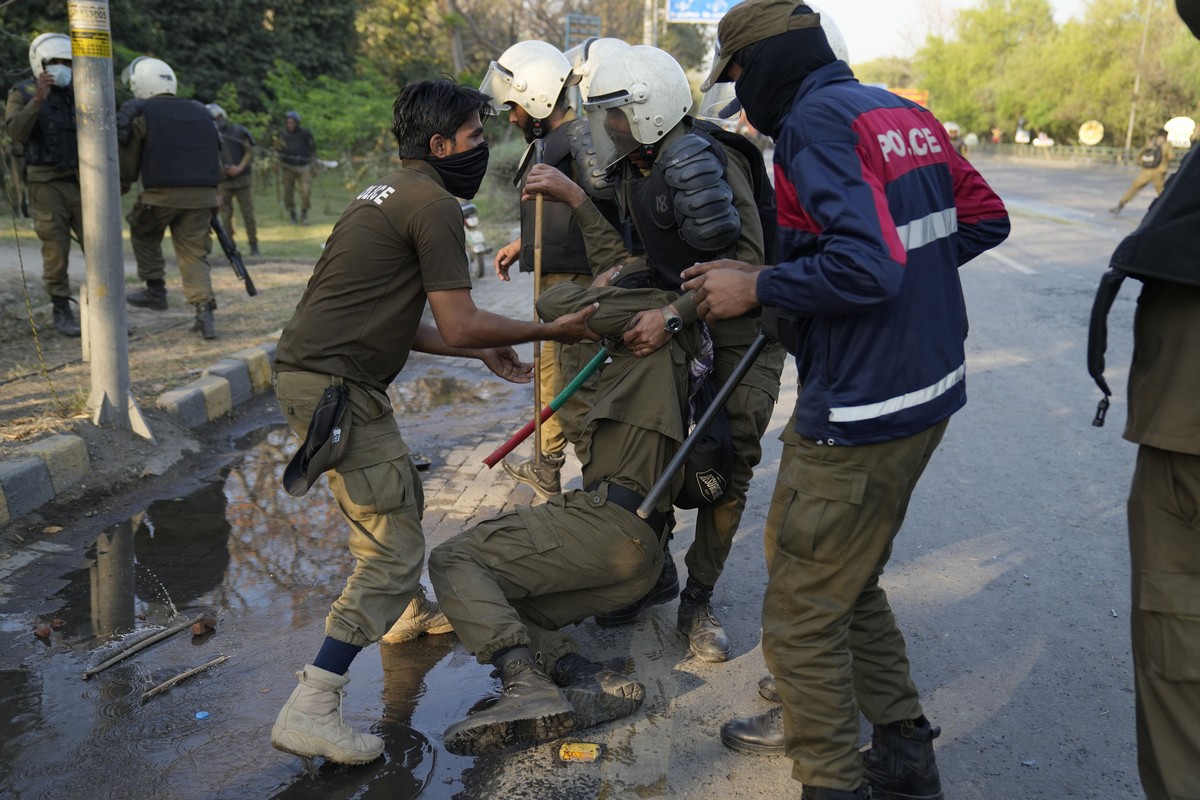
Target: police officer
297,151
171,144
690,191
40,117
1154,160
237,154
871,239
397,247
531,81
510,584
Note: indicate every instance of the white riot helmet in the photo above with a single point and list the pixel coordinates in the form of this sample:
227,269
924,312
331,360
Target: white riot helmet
150,76
215,111
586,57
720,101
644,84
48,47
530,74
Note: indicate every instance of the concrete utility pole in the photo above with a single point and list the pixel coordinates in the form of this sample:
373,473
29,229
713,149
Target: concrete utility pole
99,181
1137,79
649,29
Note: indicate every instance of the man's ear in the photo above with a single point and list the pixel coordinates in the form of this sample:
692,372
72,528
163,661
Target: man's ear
438,145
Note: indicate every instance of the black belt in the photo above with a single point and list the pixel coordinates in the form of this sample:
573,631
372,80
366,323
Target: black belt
630,500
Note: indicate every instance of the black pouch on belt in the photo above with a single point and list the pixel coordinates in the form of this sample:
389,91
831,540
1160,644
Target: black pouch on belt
324,446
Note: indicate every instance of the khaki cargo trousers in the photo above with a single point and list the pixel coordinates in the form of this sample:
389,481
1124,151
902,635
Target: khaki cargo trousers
560,364
829,636
520,577
57,210
1164,549
379,493
190,237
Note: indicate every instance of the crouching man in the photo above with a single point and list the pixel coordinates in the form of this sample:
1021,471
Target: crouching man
510,584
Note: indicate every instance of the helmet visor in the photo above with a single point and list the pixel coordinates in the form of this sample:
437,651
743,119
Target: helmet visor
720,104
498,85
612,134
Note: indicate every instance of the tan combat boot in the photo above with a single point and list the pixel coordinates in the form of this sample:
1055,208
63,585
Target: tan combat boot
310,722
423,616
544,480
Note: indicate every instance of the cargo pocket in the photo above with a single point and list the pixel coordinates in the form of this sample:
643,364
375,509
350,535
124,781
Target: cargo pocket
141,220
1171,603
377,490
819,518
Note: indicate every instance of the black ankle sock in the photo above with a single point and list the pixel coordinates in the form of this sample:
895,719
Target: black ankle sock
335,656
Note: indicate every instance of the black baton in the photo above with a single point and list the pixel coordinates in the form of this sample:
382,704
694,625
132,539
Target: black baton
689,444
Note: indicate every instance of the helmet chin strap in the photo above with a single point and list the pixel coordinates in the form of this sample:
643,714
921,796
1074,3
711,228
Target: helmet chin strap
537,129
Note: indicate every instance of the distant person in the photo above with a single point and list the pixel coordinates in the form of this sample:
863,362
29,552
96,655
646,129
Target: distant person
170,143
40,118
237,155
1154,160
956,139
297,156
997,135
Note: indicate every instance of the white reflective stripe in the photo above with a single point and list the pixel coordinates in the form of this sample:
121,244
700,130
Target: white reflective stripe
921,232
875,410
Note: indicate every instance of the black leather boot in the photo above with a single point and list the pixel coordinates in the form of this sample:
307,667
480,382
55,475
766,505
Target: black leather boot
530,710
664,590
254,248
900,764
597,694
706,637
767,690
204,324
64,320
154,296
758,736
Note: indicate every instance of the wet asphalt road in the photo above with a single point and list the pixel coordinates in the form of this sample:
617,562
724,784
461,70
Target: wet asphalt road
1009,579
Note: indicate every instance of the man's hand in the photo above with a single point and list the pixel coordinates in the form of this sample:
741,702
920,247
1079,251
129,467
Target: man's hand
545,179
44,82
723,289
234,170
605,278
572,328
507,256
647,332
504,363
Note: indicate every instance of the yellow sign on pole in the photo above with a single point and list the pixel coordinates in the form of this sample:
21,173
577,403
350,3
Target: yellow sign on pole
91,32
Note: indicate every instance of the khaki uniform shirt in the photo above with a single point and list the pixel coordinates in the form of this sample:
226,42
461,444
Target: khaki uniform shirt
397,241
637,422
1164,376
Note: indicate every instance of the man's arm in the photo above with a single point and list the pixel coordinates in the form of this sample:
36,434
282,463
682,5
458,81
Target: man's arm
503,361
20,114
462,324
130,153
605,247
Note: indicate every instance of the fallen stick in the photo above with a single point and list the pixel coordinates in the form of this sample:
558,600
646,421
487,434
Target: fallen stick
141,645
183,676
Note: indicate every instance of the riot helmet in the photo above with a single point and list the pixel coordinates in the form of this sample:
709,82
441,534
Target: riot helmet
636,96
587,56
530,75
51,47
148,77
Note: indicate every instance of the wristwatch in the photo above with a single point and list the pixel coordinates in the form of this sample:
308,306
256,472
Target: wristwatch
674,322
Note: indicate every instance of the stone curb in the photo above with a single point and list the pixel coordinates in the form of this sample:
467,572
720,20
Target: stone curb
47,468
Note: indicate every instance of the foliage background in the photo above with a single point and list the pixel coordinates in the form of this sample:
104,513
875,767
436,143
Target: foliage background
340,62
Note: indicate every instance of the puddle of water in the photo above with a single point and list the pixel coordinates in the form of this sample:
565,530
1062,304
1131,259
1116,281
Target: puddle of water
264,562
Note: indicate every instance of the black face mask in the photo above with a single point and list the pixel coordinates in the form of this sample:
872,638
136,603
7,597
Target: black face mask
462,173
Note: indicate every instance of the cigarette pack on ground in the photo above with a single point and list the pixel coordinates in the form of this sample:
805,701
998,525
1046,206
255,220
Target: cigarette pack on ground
579,751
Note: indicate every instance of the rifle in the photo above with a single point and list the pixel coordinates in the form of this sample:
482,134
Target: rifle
235,258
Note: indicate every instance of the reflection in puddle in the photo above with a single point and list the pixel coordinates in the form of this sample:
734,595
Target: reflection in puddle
269,565
434,391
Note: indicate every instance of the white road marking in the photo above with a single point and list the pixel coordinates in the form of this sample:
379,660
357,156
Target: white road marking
1017,265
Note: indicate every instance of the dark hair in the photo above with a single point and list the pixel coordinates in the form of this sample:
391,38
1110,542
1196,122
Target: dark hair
425,108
